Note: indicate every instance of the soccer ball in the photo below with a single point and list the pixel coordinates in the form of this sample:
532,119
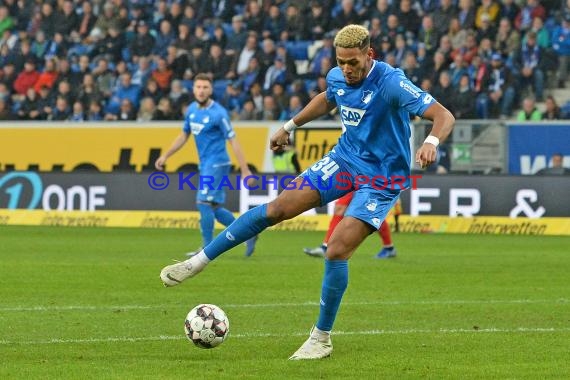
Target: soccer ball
207,326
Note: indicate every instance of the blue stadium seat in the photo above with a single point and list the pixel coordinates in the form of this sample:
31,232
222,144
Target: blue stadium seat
220,86
298,50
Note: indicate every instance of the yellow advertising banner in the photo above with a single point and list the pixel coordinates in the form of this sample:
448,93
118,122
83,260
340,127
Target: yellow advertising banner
190,219
109,147
312,144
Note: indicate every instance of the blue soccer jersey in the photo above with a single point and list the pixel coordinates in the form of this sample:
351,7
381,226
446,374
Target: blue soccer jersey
211,128
375,116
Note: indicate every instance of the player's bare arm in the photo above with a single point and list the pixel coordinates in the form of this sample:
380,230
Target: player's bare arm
317,107
244,169
443,122
178,143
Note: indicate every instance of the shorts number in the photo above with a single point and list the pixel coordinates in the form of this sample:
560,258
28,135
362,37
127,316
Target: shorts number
327,166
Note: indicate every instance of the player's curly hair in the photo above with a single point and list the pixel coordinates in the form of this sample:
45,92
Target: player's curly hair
352,36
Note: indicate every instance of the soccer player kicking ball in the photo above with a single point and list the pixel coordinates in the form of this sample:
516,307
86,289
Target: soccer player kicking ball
210,124
388,251
375,101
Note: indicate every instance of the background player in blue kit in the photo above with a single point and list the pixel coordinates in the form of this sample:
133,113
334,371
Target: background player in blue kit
210,124
375,102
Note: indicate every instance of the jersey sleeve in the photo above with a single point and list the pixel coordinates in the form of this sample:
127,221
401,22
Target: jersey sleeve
401,92
226,125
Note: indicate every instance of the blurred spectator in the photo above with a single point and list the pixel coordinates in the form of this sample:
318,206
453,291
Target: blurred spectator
507,40
48,76
77,113
488,11
29,107
27,78
463,101
444,92
428,35
22,55
95,112
6,21
528,60
162,75
556,168
164,110
126,112
280,95
294,107
125,90
529,112
237,38
251,75
248,111
175,15
561,45
197,61
152,90
179,96
456,34
216,9
532,9
143,71
509,10
103,77
5,111
542,34
143,42
177,60
466,14
39,46
48,20
254,16
457,70
317,22
486,30
220,38
274,23
110,47
270,109
147,110
164,38
45,102
412,69
61,111
400,50
552,111
468,50
497,92
66,19
89,91
439,65
86,22
276,73
107,18
8,75
57,48
347,15
64,90
485,50
267,54
247,52
442,16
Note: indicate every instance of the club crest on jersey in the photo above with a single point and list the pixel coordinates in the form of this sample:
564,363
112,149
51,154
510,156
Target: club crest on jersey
206,119
351,116
196,127
367,96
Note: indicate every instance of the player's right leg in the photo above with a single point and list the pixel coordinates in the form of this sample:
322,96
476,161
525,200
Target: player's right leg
290,203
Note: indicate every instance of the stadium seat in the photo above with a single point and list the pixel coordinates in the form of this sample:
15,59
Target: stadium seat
298,50
220,86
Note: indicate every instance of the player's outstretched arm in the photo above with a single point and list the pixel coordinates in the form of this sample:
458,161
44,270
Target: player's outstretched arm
244,169
443,122
178,143
317,107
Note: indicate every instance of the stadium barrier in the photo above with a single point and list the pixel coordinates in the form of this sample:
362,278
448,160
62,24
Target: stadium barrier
476,146
453,203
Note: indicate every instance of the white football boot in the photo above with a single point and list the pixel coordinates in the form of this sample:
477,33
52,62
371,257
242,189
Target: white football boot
318,346
174,274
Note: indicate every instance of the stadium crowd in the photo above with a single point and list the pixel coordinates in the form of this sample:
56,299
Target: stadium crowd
135,60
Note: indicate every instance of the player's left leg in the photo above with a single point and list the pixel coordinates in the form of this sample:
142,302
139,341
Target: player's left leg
365,214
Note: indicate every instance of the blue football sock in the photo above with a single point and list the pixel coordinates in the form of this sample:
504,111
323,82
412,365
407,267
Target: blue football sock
335,282
243,228
224,216
206,222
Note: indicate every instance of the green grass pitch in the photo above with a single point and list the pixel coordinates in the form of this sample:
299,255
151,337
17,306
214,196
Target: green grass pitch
88,303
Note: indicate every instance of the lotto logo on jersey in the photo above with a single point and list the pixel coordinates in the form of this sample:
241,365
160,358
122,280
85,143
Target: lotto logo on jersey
351,116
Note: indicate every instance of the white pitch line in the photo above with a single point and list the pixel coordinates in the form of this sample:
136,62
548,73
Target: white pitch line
517,330
285,304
